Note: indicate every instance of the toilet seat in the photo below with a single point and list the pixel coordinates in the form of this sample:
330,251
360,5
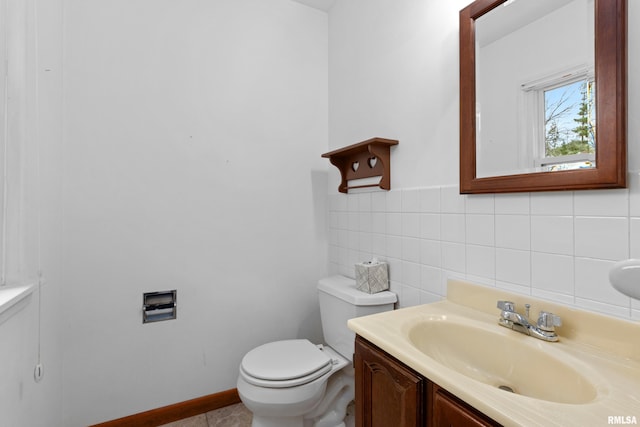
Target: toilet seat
287,363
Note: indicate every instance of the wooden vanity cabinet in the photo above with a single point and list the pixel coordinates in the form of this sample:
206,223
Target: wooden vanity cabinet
448,410
390,394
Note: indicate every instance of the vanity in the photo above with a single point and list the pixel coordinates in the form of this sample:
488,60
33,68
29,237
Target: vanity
451,363
393,394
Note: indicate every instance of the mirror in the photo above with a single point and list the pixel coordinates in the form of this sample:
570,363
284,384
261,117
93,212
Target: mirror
535,78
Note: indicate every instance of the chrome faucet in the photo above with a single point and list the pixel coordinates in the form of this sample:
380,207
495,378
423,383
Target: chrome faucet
544,328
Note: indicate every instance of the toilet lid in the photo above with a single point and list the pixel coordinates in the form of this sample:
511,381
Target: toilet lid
285,363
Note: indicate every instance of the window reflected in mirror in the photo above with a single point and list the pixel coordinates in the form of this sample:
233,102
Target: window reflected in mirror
569,118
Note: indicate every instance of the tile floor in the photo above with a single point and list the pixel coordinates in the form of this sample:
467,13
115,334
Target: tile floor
235,416
231,416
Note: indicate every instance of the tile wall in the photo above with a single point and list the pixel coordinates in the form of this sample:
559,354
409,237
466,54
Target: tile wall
553,245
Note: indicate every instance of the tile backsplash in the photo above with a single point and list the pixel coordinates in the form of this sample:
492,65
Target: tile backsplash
553,245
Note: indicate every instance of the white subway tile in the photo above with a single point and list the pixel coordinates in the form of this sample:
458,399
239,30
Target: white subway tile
430,200
411,249
550,272
431,279
338,202
453,257
333,219
394,246
364,202
513,231
602,237
394,201
552,234
512,287
333,236
481,280
411,200
396,288
604,308
480,204
343,270
394,224
365,242
523,242
559,203
378,245
430,226
431,253
611,202
428,298
513,266
364,222
353,223
553,296
352,202
452,227
451,201
379,222
411,224
343,220
395,269
480,229
379,201
343,238
333,254
411,274
515,203
353,240
481,261
410,297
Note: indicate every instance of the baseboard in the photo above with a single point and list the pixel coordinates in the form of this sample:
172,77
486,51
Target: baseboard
178,411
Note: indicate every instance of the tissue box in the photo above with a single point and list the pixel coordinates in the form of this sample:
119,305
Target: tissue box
372,277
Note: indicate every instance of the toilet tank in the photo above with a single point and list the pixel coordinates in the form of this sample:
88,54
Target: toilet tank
341,301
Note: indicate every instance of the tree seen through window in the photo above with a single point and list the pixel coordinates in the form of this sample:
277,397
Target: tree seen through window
570,119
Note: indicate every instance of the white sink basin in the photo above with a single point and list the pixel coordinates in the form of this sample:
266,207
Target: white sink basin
504,359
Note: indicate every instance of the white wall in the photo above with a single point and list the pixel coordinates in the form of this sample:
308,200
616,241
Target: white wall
30,331
193,134
394,73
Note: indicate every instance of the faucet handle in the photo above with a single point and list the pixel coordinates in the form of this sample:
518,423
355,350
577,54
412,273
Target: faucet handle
548,321
506,306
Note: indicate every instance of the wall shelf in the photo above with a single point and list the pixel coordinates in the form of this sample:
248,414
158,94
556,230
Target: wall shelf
365,159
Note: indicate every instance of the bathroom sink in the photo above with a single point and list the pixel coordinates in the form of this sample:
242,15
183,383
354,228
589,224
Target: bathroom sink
512,362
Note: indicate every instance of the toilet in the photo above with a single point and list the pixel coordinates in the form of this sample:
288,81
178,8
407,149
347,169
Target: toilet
295,383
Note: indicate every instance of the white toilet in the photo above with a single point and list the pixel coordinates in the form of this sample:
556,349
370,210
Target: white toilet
294,383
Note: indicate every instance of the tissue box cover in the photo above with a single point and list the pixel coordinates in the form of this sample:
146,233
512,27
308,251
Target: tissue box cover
372,277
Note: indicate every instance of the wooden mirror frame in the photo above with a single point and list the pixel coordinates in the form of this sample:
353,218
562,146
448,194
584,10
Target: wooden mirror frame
611,109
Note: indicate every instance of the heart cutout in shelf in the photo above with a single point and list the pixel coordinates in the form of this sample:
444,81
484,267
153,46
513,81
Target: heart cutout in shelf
372,162
355,166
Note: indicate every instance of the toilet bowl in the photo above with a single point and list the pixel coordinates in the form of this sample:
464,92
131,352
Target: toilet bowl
295,383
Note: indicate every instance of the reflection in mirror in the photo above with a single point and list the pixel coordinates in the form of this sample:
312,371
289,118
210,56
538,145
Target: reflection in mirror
535,87
542,95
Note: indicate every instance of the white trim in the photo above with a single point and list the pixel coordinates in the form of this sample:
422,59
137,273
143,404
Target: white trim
560,78
12,299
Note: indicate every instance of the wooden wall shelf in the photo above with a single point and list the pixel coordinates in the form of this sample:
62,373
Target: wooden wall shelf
365,159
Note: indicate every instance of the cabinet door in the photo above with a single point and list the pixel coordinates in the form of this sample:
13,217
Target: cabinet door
388,394
449,411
